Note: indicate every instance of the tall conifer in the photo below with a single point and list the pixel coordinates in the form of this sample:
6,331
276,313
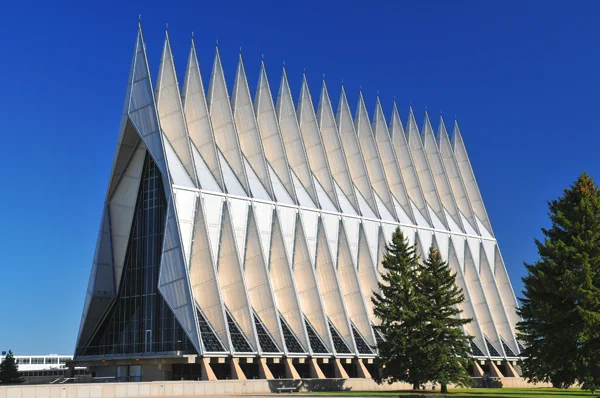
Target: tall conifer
448,347
561,305
397,308
9,370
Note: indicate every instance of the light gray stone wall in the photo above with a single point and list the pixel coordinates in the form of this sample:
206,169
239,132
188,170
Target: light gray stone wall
192,388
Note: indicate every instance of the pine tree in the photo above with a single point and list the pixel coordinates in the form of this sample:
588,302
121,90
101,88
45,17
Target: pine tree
396,306
448,347
9,370
560,311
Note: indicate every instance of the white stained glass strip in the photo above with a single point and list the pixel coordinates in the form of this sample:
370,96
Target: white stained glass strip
364,207
214,218
442,240
310,221
352,225
238,209
257,188
383,211
281,194
331,222
489,247
451,224
231,182
263,214
425,241
458,242
372,234
474,245
482,229
304,199
287,223
185,202
324,200
419,218
178,174
344,202
207,181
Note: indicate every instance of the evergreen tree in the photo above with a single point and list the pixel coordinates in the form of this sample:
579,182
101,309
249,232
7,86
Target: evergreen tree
560,311
9,370
448,347
397,307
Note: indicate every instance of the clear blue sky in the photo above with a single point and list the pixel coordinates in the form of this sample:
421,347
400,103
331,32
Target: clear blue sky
522,78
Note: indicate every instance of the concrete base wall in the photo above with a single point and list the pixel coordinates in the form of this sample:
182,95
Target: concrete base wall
221,387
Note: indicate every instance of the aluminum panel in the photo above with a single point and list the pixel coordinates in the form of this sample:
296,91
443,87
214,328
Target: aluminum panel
247,129
293,142
121,209
372,159
352,292
421,165
468,177
329,286
468,310
495,305
222,120
203,263
313,143
389,162
308,290
198,121
282,279
256,273
453,173
170,112
367,274
174,279
406,163
480,304
268,126
438,171
231,275
338,163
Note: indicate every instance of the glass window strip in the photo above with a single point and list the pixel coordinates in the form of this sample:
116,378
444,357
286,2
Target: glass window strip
361,344
316,344
139,308
267,344
509,352
238,340
338,342
291,342
492,349
211,342
475,350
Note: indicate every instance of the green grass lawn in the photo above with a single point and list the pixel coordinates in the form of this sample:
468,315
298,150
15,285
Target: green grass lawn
477,392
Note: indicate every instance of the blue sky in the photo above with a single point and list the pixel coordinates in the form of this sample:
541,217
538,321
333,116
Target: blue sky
521,77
